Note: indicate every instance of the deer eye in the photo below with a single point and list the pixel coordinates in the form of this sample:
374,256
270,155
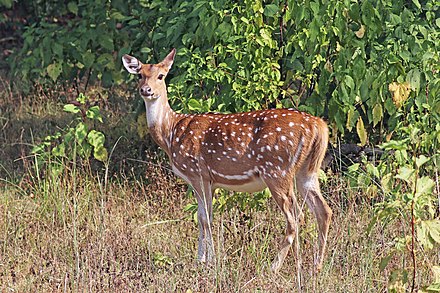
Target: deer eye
140,76
160,76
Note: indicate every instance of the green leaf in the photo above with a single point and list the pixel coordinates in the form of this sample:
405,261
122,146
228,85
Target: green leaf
80,132
82,98
395,144
59,150
96,138
422,235
384,262
94,113
424,186
118,16
353,168
88,58
428,233
100,153
270,10
194,105
362,133
417,4
54,70
433,288
349,82
434,230
413,78
70,108
406,174
352,116
73,7
6,3
244,19
106,42
421,160
377,114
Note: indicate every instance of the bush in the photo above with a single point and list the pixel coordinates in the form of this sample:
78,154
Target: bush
334,59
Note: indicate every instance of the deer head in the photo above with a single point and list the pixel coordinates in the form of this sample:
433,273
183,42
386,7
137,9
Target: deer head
151,76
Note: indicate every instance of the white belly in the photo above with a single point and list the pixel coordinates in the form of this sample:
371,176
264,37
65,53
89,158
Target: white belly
255,185
251,186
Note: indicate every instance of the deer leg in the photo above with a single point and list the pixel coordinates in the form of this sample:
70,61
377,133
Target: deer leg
308,186
287,202
204,216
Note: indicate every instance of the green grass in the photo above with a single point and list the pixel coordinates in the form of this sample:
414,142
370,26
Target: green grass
75,233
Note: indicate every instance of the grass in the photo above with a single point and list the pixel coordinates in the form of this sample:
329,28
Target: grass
75,233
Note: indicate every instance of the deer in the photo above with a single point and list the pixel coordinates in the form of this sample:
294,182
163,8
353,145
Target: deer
281,149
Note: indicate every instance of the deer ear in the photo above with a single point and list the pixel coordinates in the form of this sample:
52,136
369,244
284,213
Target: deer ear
131,64
169,59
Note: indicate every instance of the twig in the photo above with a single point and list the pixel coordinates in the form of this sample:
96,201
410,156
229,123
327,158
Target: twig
413,220
7,39
149,163
88,79
161,222
437,187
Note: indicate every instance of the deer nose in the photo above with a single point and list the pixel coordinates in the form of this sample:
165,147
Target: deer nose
145,91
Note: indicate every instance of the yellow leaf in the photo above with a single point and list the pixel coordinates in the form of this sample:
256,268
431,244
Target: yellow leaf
328,66
360,33
334,131
362,133
400,92
389,135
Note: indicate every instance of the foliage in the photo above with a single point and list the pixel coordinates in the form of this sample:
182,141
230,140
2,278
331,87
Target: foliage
64,146
70,42
332,58
226,201
6,3
406,180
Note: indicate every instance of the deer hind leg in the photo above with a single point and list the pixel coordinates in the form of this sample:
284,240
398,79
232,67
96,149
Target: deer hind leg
308,186
203,192
288,204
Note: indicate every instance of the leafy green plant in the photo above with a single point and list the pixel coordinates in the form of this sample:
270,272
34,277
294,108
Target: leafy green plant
73,42
336,59
75,140
226,201
405,178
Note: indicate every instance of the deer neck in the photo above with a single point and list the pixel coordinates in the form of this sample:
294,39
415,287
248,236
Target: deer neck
160,119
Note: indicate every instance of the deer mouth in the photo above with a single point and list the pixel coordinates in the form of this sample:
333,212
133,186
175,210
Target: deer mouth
150,97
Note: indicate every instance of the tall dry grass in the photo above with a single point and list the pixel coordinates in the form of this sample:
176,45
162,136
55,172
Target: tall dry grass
78,233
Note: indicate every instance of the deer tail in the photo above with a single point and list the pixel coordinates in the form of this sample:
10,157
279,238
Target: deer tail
318,148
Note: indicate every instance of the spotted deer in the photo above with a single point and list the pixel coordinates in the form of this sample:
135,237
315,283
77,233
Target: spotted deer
281,149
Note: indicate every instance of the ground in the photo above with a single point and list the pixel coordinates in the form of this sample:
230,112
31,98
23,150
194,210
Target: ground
129,232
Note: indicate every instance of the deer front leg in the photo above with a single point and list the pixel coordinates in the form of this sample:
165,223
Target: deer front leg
204,216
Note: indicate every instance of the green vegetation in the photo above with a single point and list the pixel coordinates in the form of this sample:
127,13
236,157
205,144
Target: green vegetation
88,201
60,149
